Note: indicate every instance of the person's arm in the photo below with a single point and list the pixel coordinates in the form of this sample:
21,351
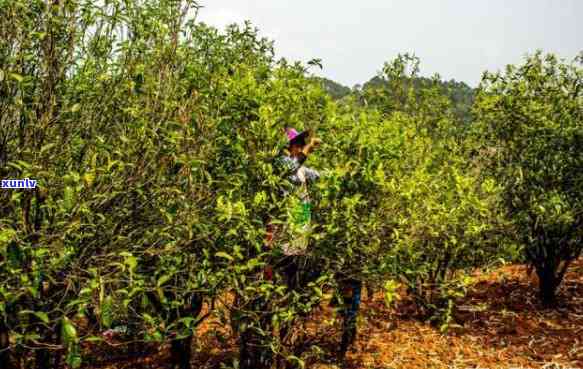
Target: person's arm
311,146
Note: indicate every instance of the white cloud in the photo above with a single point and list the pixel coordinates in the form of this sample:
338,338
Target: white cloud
219,17
458,39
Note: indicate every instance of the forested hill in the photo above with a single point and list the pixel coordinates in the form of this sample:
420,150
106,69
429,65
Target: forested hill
335,89
460,94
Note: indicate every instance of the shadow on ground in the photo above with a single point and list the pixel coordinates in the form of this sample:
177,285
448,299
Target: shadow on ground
500,324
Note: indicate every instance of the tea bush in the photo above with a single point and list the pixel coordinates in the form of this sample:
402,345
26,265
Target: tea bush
530,122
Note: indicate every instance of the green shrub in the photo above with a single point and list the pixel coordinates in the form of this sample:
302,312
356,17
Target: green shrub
530,120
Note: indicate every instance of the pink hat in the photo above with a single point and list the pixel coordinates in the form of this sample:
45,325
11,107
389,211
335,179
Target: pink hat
296,137
291,133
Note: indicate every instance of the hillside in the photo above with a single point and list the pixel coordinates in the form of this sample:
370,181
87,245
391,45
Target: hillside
500,324
459,93
166,183
335,89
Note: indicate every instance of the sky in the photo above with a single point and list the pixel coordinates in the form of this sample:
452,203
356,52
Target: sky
458,39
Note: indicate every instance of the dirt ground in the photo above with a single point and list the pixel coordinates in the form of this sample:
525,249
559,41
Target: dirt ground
500,325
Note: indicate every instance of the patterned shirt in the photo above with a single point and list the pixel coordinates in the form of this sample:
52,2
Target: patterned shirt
298,228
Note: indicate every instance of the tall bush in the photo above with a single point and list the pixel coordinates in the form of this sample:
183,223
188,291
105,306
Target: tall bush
531,119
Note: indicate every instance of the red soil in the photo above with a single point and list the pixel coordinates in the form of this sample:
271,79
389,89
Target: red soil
500,324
